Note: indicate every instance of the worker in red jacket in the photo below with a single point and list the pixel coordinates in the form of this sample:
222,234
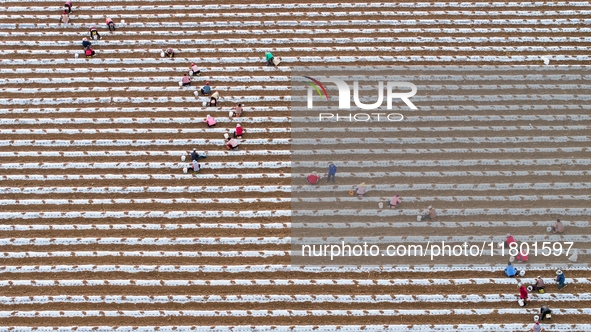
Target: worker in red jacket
313,178
89,52
523,294
194,70
110,24
238,132
510,239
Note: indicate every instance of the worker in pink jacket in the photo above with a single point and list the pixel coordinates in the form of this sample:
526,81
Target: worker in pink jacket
232,144
110,24
395,200
68,6
210,121
361,189
186,80
194,70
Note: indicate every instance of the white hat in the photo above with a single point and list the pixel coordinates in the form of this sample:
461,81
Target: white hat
538,277
558,272
536,318
238,125
183,158
430,207
512,259
194,149
508,234
522,273
314,173
185,170
519,285
209,116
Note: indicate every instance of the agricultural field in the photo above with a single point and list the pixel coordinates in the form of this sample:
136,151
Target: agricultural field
102,230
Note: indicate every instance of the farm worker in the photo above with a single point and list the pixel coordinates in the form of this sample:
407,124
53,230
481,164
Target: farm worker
560,279
194,70
196,156
522,256
558,227
510,270
65,18
545,312
237,112
169,52
68,6
232,144
85,43
510,239
538,285
238,132
110,24
395,200
89,52
313,178
93,31
332,171
186,80
269,58
523,294
210,121
206,89
195,166
213,101
361,189
536,327
430,213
